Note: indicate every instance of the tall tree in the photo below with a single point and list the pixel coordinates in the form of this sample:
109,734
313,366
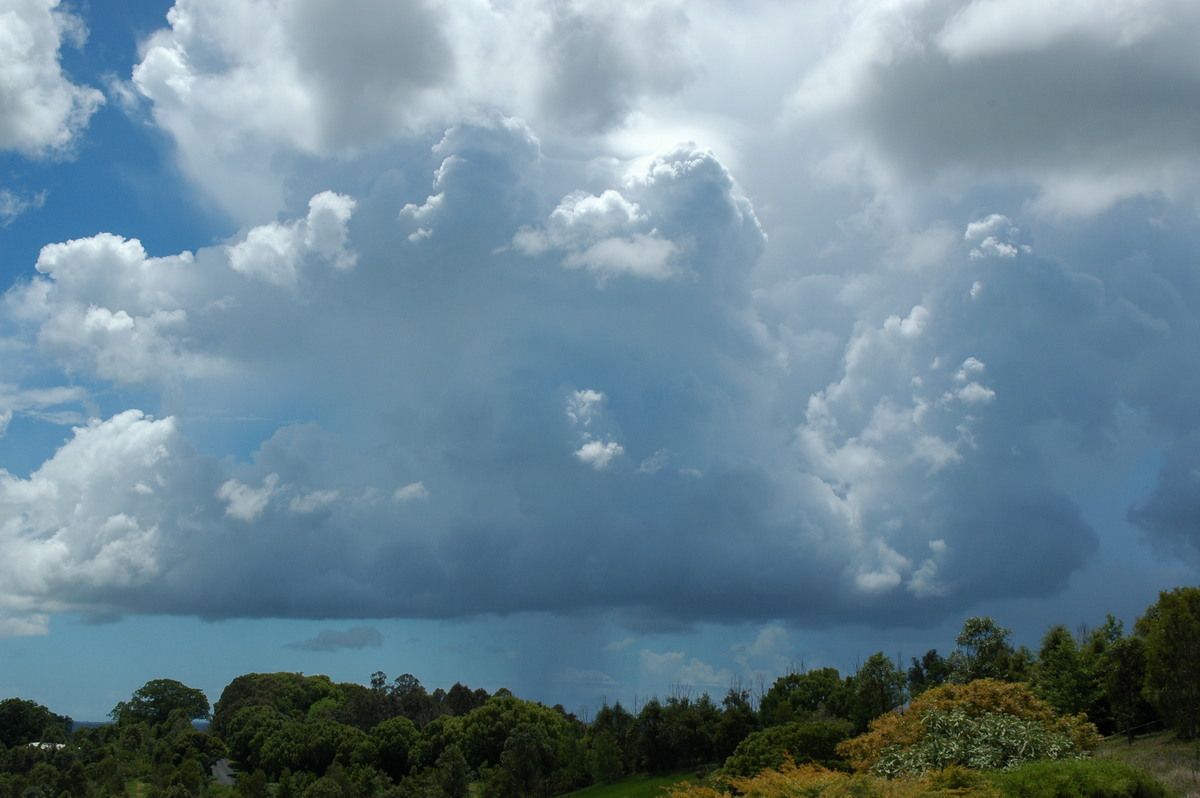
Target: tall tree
153,703
932,670
1095,646
984,652
1171,629
452,776
738,719
651,744
24,722
485,729
691,729
802,696
460,699
291,694
877,687
393,741
1061,675
1124,684
527,761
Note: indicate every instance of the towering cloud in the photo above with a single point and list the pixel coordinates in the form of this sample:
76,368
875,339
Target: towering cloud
469,345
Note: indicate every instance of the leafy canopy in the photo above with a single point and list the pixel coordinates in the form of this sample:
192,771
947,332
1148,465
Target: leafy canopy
154,702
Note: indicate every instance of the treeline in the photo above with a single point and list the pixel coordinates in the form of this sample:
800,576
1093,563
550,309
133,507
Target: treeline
296,736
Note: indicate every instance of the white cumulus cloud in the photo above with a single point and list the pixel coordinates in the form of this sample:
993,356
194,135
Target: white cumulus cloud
599,454
44,112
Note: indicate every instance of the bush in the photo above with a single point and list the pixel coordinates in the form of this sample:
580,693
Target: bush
988,741
1081,778
812,741
985,724
813,781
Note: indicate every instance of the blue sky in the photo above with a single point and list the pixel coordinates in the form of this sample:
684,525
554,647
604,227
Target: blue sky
587,349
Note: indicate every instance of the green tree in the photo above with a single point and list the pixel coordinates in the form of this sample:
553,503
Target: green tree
984,652
109,774
181,741
802,696
1095,645
485,730
652,747
436,737
605,758
738,721
877,687
690,729
73,780
615,723
1061,675
253,784
452,776
24,722
189,775
248,731
393,742
364,707
311,747
932,670
804,741
460,699
154,702
290,694
1171,629
528,761
1124,684
42,780
412,700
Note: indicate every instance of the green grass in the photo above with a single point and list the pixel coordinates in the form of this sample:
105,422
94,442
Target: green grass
634,787
1176,764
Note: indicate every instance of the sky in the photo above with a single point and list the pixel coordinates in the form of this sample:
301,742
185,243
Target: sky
596,350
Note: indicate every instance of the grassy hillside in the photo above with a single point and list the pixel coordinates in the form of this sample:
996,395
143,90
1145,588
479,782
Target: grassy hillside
634,787
1175,764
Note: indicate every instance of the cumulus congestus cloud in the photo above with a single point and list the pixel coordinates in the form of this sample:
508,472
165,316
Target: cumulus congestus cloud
536,424
250,90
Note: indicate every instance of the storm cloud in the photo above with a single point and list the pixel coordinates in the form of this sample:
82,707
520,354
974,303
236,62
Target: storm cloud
463,353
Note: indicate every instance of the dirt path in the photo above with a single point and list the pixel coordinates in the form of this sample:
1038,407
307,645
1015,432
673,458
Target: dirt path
222,772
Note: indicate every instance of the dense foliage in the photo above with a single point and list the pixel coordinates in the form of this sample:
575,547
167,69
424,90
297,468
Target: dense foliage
812,781
23,722
157,700
987,719
810,741
1065,779
1108,777
985,724
1171,630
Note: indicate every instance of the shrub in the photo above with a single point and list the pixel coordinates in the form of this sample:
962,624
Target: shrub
988,741
812,741
985,724
1081,778
812,781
